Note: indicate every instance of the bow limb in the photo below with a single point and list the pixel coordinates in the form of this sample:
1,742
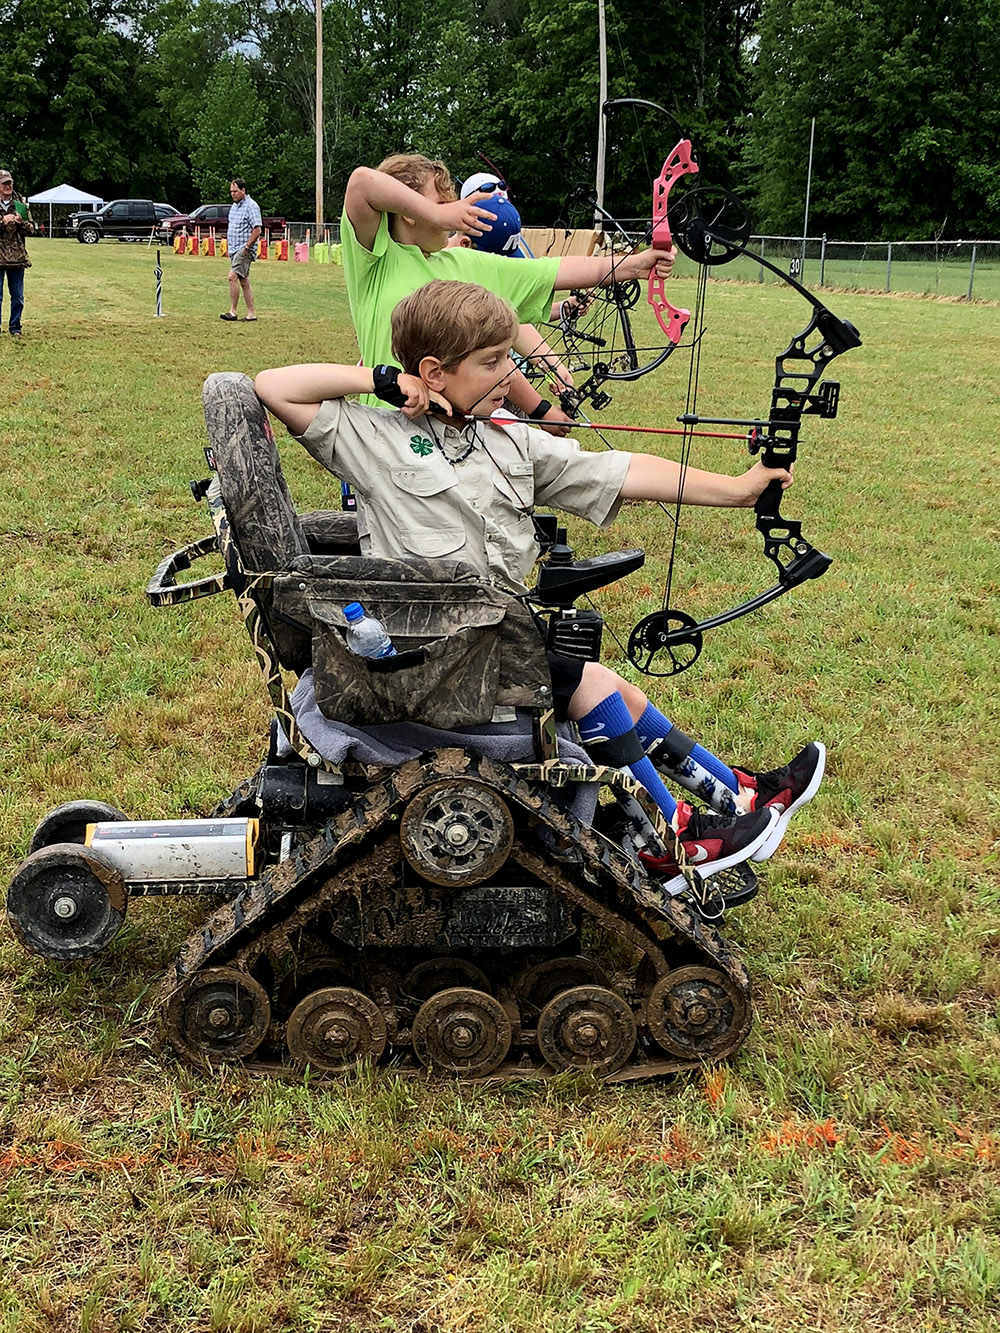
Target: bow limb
680,162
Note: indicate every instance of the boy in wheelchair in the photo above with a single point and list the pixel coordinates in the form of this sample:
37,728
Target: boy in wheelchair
435,478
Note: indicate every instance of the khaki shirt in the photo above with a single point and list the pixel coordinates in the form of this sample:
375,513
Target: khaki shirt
426,489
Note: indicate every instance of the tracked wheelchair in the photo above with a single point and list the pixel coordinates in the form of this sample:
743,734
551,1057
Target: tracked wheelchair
404,878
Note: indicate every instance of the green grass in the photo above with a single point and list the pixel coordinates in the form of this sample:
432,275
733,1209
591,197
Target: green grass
841,1173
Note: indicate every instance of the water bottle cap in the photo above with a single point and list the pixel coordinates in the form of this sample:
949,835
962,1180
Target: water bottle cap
354,611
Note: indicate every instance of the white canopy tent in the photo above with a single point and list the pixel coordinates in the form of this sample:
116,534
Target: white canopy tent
65,194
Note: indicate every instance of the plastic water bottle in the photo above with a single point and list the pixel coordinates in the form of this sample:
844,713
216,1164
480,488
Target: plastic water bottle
366,636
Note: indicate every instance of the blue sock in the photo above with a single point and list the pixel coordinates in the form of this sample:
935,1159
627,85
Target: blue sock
611,719
699,771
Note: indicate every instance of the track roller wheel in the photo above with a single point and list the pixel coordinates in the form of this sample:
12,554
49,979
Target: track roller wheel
310,975
697,1013
456,833
335,1029
434,974
68,823
219,1015
587,1027
462,1031
539,984
66,902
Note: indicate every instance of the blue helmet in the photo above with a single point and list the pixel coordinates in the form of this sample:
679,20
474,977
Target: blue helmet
505,232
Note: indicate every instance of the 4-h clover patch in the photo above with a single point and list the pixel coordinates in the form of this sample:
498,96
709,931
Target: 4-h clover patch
420,445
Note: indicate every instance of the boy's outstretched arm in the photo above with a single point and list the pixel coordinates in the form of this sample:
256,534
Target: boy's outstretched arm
371,193
586,271
652,478
294,394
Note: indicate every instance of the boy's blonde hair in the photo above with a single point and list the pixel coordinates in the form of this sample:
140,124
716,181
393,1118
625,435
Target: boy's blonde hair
449,320
415,170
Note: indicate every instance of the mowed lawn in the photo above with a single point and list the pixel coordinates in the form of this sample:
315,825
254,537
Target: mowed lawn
842,1172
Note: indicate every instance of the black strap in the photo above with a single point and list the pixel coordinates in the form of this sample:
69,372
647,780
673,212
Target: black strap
616,751
671,749
538,411
385,385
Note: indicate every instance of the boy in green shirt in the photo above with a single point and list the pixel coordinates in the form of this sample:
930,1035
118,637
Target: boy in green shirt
394,230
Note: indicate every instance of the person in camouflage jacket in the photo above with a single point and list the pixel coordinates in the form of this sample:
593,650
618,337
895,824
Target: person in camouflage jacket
15,225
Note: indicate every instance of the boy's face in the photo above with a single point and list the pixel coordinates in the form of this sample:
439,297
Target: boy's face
480,381
426,236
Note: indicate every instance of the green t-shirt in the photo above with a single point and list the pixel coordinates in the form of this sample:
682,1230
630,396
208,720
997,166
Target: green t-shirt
378,279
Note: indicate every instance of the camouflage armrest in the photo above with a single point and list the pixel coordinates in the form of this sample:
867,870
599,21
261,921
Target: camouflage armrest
331,532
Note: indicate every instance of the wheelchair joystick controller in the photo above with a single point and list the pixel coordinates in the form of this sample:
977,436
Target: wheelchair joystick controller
560,552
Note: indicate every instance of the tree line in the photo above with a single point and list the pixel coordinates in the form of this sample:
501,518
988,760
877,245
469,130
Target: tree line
169,99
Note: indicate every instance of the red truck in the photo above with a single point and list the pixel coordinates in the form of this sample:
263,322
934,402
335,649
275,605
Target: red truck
208,216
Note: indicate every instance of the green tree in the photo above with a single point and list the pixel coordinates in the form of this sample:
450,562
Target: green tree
231,137
907,105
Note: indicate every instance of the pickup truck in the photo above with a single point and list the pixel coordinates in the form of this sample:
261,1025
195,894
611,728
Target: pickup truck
208,216
128,219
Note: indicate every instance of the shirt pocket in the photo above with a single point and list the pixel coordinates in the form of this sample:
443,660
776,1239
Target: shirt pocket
517,485
424,514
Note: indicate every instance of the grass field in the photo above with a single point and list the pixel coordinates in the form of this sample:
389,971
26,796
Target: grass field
843,1172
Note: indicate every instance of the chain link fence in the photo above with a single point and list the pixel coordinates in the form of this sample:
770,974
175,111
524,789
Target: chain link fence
969,270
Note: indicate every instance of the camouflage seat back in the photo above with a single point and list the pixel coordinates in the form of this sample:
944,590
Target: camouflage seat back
262,518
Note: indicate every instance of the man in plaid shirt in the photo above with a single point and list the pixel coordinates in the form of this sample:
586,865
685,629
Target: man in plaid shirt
241,242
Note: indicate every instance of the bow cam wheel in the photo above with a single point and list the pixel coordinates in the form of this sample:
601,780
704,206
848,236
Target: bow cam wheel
709,224
697,1013
68,823
587,1027
66,902
336,1029
456,833
218,1015
674,634
462,1031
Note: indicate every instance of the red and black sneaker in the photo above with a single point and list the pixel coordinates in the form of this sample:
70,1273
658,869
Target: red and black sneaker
712,842
784,790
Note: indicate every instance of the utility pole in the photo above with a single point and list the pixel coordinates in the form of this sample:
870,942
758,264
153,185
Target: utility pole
805,220
602,46
319,121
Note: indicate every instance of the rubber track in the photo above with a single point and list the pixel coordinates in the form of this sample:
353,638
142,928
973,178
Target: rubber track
340,860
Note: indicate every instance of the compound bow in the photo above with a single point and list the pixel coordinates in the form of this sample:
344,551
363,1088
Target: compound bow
711,226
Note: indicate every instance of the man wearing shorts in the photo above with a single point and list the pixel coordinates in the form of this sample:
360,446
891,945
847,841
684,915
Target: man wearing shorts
241,243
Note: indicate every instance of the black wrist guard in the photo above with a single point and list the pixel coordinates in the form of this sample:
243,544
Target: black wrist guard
538,411
385,385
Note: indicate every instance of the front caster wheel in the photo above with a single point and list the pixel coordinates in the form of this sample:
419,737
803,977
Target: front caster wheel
68,822
66,902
